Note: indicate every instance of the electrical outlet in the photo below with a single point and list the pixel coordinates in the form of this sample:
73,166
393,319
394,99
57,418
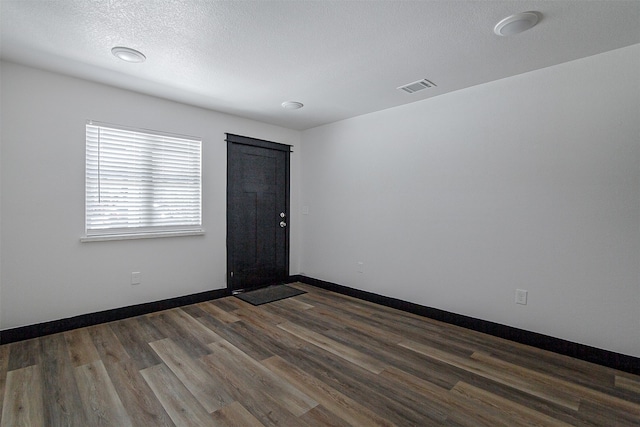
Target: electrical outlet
521,296
360,267
135,278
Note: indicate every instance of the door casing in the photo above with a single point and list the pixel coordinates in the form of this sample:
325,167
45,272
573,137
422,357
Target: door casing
237,183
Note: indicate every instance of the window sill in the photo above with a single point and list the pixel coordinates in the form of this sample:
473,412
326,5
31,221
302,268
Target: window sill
131,236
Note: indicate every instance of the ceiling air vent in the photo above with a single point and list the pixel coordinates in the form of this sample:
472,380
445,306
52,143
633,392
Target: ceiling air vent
417,86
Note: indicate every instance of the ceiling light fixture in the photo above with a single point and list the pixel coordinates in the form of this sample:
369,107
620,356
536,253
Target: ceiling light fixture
292,105
127,54
515,24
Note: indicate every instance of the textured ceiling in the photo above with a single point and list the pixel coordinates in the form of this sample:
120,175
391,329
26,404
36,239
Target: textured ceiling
340,58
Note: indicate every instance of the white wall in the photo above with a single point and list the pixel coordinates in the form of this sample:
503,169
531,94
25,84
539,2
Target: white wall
530,182
47,274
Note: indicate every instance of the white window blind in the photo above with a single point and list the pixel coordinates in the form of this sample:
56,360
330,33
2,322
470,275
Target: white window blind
141,181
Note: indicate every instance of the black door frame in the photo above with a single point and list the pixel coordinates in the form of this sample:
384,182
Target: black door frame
261,143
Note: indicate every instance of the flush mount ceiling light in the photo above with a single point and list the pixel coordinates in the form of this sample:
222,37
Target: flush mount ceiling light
292,105
515,24
128,54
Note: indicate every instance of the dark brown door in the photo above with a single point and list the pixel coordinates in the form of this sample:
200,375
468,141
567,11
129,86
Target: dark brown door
257,212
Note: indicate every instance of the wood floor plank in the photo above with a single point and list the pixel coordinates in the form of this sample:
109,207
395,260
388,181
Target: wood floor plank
340,320
530,386
23,354
368,308
394,322
138,399
135,339
4,364
217,312
321,417
253,312
109,348
102,405
334,347
264,338
23,402
462,412
293,304
300,318
196,329
81,348
149,329
240,336
372,338
231,303
172,327
514,413
62,403
194,311
400,357
256,400
292,399
550,363
181,406
344,407
194,377
385,398
627,383
577,390
235,415
596,414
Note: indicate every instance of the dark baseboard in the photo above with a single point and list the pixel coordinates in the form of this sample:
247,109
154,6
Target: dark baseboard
294,278
90,319
83,320
606,358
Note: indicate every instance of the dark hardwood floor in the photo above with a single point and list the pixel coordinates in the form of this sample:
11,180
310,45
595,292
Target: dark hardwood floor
318,359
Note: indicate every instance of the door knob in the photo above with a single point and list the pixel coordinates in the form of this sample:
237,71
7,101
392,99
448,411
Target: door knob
283,224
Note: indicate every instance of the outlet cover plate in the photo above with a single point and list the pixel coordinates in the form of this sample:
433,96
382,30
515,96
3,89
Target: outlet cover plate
521,296
135,278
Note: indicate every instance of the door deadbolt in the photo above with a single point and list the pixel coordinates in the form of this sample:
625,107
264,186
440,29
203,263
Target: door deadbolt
283,215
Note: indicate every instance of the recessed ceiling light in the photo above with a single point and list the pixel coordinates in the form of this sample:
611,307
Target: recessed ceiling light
292,105
128,54
515,24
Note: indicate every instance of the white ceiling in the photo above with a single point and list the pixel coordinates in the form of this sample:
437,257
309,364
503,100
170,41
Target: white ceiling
340,58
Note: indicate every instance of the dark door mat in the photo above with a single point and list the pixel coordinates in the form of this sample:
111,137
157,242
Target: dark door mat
269,294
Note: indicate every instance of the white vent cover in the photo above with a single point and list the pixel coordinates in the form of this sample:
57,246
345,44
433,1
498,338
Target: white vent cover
417,86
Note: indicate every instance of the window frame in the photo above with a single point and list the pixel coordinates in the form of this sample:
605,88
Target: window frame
150,147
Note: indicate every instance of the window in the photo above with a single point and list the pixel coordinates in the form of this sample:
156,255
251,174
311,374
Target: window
141,183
